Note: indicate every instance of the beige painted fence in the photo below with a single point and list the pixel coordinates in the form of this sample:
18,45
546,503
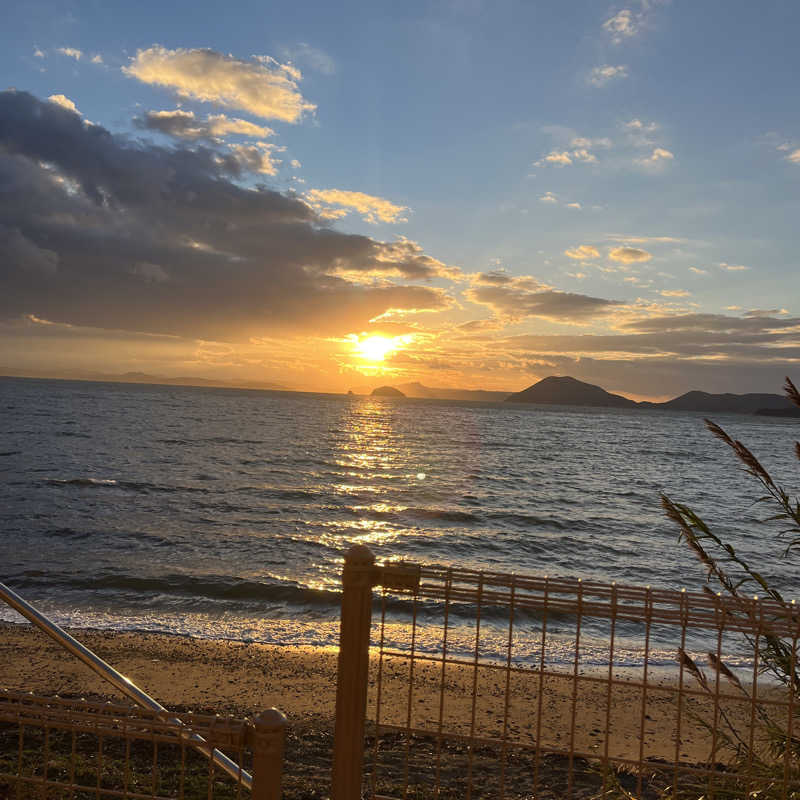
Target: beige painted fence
53,747
454,683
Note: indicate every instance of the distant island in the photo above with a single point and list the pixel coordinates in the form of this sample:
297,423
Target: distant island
417,389
387,391
145,378
567,391
570,391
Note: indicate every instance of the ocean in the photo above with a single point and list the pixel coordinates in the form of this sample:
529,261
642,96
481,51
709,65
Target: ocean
225,513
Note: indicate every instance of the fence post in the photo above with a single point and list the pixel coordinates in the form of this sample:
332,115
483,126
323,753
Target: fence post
268,741
353,673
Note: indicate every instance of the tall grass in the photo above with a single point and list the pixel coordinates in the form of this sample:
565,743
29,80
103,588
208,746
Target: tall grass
738,579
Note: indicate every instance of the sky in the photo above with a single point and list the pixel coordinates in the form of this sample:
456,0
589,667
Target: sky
464,193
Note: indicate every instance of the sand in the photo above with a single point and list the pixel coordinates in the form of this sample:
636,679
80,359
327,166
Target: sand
244,678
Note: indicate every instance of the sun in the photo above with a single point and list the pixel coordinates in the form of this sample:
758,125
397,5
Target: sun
376,347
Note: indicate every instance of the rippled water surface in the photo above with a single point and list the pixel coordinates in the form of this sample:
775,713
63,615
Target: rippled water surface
225,513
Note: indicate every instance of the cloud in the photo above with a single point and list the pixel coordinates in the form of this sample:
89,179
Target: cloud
583,252
602,76
64,102
19,252
550,198
671,354
716,324
765,312
637,147
629,255
733,267
72,52
406,258
84,209
675,293
295,164
517,298
261,85
698,271
637,126
185,125
257,157
657,157
38,53
794,157
621,26
312,57
554,157
582,154
563,158
616,237
97,59
574,205
335,203
587,143
571,148
150,273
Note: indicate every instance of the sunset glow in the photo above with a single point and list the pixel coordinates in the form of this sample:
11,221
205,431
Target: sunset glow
376,347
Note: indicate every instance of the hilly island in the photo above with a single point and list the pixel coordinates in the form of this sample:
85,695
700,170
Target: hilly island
567,391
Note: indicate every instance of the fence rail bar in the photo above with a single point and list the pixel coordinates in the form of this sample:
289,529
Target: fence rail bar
602,600
498,727
122,683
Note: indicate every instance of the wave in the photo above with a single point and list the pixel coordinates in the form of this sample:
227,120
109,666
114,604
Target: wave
142,487
402,514
210,440
518,519
446,515
214,587
527,520
193,592
91,482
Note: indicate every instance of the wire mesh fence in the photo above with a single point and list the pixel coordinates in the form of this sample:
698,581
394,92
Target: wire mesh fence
55,747
490,685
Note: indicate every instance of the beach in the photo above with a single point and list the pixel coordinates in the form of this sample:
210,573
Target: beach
240,678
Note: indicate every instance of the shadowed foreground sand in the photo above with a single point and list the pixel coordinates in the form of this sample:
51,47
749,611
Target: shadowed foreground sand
242,679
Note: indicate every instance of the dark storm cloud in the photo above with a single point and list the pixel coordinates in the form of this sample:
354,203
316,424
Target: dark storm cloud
101,231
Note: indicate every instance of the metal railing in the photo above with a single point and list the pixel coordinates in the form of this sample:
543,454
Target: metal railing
53,747
265,735
484,684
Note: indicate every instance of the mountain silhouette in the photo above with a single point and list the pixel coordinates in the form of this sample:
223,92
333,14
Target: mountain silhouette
387,391
570,392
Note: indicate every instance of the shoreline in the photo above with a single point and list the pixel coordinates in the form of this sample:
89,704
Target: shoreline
241,678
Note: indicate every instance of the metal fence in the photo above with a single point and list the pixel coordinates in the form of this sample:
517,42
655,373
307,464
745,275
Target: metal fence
53,747
483,684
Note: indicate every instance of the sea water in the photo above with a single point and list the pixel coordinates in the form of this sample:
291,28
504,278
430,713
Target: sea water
225,513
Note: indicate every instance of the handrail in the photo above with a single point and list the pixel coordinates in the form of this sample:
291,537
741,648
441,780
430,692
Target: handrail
119,681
